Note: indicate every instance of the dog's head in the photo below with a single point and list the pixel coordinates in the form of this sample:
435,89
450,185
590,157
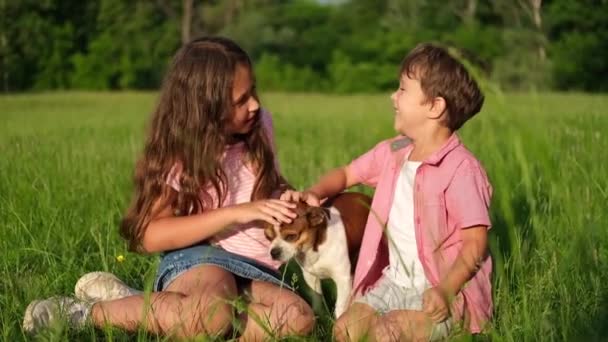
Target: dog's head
306,232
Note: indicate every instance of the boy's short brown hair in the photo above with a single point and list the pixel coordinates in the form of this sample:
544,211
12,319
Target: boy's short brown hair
442,75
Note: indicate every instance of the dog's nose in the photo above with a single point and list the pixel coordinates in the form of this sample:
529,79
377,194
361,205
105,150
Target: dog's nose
275,253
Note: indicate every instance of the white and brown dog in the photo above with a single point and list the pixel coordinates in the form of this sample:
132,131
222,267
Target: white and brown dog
324,241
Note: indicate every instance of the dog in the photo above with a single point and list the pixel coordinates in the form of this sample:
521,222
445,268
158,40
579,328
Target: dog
324,241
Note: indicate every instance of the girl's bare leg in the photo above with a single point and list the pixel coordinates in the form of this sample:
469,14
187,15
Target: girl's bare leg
194,303
280,310
356,323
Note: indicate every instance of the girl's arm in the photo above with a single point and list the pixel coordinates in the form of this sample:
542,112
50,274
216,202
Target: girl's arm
167,232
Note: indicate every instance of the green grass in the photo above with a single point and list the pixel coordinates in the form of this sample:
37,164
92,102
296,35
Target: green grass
66,163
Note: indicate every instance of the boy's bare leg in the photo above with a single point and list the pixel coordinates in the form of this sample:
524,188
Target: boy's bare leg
280,310
403,325
194,303
356,323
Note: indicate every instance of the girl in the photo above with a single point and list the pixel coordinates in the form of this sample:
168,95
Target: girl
201,189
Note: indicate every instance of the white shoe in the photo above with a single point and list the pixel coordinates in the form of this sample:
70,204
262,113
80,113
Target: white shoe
98,286
44,313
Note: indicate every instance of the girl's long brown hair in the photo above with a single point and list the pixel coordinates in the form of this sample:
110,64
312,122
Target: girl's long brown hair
188,128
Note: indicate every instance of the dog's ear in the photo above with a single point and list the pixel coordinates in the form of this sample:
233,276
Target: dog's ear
317,218
265,225
317,215
269,232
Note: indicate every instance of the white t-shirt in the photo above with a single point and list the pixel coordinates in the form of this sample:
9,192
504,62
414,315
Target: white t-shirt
404,267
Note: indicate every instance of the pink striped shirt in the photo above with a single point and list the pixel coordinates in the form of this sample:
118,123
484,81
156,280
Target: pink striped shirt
451,193
247,239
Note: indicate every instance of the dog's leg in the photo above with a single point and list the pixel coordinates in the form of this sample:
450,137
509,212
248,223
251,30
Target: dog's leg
313,281
343,289
316,295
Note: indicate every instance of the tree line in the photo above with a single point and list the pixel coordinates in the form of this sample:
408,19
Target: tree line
303,45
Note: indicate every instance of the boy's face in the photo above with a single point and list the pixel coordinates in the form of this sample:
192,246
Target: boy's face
411,107
244,99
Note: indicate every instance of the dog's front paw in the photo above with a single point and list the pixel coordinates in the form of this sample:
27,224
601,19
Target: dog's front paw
313,282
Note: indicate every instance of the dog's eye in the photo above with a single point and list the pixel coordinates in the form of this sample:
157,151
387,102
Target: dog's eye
291,237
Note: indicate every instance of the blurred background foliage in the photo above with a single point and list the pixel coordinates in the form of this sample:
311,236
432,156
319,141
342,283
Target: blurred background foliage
303,45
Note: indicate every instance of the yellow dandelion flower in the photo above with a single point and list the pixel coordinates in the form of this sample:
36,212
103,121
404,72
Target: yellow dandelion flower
120,258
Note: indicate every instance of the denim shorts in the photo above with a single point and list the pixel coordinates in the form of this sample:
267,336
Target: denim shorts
176,262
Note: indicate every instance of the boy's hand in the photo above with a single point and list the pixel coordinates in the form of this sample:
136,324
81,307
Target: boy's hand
304,196
435,305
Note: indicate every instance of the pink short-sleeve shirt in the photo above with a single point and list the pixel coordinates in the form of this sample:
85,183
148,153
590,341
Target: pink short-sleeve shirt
248,239
451,192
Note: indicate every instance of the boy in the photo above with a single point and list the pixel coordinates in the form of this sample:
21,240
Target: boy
426,236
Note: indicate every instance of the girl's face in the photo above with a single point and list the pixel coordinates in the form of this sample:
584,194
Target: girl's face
245,102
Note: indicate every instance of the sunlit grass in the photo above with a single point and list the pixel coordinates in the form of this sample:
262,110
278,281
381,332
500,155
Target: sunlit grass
66,163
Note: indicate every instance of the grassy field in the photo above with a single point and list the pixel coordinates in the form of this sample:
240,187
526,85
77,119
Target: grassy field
66,163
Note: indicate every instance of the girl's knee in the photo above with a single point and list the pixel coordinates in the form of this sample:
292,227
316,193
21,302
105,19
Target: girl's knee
219,320
211,317
305,320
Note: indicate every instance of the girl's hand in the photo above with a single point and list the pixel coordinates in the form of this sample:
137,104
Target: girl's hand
435,305
272,211
304,196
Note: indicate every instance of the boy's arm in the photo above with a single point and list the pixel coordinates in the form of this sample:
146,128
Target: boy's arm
365,169
333,182
468,202
436,300
468,261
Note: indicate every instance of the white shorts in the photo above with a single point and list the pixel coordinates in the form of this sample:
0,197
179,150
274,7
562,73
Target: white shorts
388,296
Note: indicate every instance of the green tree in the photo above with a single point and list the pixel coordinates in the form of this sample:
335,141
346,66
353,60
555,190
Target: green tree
37,39
133,45
579,31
